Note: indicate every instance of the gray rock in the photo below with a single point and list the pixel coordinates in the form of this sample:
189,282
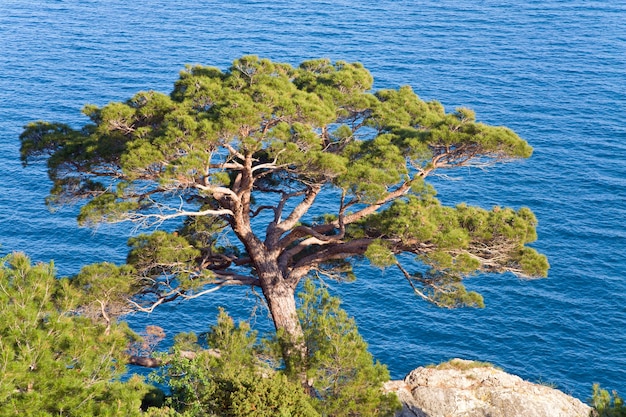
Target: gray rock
461,388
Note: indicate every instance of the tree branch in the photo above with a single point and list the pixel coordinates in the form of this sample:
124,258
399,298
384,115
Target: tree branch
268,165
335,251
228,280
354,217
408,278
286,256
281,205
218,191
300,209
260,209
277,228
302,231
233,151
150,362
227,165
160,218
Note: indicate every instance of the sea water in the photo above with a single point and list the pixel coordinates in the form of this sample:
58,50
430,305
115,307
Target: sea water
554,71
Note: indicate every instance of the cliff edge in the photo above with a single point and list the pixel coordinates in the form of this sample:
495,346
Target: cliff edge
462,388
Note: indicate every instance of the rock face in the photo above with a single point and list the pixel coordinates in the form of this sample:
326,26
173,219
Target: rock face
461,388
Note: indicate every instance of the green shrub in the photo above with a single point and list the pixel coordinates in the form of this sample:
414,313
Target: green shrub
54,362
462,365
607,404
343,374
229,380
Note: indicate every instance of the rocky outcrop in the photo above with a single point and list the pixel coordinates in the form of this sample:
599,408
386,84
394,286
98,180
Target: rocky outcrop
461,388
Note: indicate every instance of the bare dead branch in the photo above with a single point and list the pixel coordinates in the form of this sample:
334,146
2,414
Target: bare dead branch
227,279
409,278
155,219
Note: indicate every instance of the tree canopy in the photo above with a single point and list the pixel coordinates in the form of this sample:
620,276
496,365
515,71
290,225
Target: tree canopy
277,173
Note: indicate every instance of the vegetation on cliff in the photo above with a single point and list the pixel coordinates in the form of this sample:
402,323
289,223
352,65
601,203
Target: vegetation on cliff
54,361
57,361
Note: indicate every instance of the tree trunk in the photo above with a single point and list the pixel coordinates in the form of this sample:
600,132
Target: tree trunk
280,296
282,305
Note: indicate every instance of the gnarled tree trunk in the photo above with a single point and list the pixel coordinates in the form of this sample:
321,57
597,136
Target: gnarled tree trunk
280,297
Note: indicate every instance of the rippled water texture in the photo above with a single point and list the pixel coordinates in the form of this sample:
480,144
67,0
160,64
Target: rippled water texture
555,71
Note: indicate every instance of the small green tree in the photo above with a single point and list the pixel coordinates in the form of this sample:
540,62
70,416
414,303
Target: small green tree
607,404
53,361
346,379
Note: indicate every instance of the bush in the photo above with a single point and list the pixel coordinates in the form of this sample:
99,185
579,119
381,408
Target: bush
345,378
607,404
229,380
53,361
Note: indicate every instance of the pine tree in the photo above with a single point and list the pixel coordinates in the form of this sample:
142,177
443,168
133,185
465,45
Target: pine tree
53,361
277,173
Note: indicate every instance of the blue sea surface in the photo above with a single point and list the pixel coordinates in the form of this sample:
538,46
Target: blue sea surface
554,71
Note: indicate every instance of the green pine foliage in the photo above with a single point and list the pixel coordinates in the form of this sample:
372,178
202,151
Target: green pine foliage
104,289
313,126
346,379
229,380
238,376
458,242
53,361
607,404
